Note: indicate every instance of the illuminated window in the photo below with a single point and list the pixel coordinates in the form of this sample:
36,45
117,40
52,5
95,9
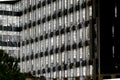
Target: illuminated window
72,73
52,59
52,41
60,22
81,34
54,6
63,56
75,36
81,53
90,11
47,60
60,4
83,14
66,4
66,22
63,39
78,72
57,38
74,54
54,24
71,17
65,73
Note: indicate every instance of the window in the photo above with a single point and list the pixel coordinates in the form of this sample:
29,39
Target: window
87,52
78,17
84,71
54,74
74,54
71,18
83,14
63,39
57,57
57,38
47,43
68,38
49,10
54,6
81,34
60,21
72,73
66,21
52,41
52,59
81,53
54,24
47,60
78,72
71,1
66,4
63,56
74,36
87,33
65,73
60,4
90,11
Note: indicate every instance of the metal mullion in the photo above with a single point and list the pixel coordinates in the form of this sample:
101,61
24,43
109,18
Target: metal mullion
86,15
66,52
46,47
76,54
81,67
52,24
63,25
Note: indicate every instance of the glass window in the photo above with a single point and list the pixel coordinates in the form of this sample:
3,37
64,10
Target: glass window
81,53
81,34
60,4
54,74
66,4
54,24
75,36
87,52
90,11
52,59
83,14
54,6
87,33
78,72
57,41
78,17
57,57
84,71
60,21
66,22
63,39
71,18
63,56
75,54
65,73
47,60
52,41
46,43
72,73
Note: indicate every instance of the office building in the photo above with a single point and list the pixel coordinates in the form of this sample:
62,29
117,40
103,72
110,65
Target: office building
64,39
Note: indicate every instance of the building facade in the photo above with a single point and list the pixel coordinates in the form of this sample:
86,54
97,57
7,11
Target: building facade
55,39
9,29
61,39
